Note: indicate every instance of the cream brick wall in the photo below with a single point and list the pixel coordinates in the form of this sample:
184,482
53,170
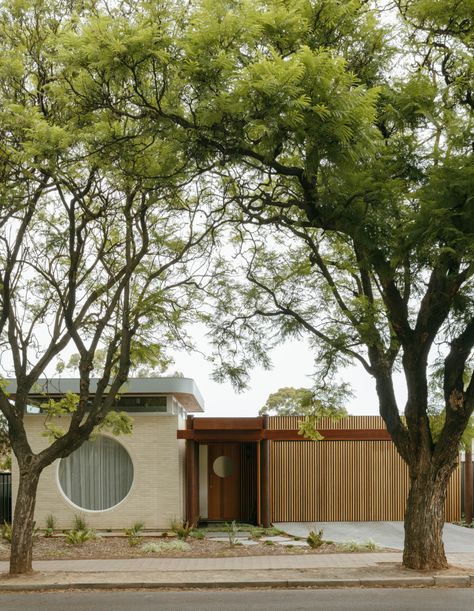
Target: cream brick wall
157,493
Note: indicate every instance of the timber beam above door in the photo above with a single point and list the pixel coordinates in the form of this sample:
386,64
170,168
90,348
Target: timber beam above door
215,435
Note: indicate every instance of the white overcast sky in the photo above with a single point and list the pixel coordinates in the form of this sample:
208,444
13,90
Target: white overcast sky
292,366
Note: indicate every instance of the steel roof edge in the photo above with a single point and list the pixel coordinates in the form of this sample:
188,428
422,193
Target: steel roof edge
184,389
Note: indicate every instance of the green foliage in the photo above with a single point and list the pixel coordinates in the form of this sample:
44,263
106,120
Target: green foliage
117,423
165,546
182,529
79,537
232,529
80,532
50,525
6,532
133,533
315,539
6,463
354,546
79,522
288,402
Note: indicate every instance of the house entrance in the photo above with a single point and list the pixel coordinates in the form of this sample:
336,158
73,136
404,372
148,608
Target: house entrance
224,472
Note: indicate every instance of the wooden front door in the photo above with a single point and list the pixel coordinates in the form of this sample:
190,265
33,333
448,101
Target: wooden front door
224,481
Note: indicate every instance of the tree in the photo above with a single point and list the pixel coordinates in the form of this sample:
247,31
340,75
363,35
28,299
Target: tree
306,402
349,165
339,136
287,402
101,249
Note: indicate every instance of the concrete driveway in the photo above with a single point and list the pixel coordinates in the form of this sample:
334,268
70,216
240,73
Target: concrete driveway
384,534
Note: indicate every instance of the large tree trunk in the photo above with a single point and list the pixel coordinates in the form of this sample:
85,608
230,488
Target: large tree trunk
424,521
23,523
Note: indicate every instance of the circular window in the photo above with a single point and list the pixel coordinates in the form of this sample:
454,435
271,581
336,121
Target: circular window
98,475
223,466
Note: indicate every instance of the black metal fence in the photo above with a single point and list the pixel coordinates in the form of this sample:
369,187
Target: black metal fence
5,497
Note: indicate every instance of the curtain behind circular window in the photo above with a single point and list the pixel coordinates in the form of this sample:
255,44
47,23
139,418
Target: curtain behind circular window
98,475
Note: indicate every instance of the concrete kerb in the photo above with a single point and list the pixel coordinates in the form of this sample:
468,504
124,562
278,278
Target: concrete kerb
460,581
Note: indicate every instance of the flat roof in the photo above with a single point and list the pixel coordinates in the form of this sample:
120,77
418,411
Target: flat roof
183,389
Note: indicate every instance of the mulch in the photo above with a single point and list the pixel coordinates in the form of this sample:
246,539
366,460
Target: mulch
56,548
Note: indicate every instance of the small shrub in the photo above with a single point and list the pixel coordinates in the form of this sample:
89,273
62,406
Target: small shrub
315,539
50,525
6,532
232,530
133,534
79,522
196,533
165,546
352,546
269,542
182,529
371,545
79,537
51,521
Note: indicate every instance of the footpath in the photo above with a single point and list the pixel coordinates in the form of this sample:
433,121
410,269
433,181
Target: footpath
368,569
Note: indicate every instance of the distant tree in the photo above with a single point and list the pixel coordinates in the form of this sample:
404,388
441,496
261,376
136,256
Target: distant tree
287,402
290,401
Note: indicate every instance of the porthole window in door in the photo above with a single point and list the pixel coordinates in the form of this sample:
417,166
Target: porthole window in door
223,466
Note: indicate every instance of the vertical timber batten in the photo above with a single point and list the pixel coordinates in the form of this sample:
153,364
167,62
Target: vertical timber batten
265,478
468,487
192,477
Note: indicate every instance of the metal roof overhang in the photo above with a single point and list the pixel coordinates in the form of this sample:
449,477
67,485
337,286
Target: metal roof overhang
183,389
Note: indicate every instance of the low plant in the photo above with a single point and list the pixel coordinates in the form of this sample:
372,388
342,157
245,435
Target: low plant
256,532
315,539
232,530
352,546
79,537
50,525
6,532
197,533
182,529
133,533
371,545
165,546
79,522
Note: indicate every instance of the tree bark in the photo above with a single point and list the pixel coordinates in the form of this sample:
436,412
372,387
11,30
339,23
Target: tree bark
23,523
424,521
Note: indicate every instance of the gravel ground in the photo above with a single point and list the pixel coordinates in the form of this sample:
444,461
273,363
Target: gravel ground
118,547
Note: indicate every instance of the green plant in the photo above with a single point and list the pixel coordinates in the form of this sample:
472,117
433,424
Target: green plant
315,539
182,529
197,533
232,530
79,537
50,525
352,546
165,546
371,545
270,543
79,522
6,532
133,533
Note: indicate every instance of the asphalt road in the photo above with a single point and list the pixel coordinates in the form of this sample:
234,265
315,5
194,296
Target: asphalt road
385,599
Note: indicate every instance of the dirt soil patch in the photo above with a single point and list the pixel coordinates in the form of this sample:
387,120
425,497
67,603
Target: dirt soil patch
56,548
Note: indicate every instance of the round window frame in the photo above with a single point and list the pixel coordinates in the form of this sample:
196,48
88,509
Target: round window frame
97,511
227,460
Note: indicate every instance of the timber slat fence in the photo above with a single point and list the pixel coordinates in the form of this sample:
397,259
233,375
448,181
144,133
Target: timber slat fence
343,480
